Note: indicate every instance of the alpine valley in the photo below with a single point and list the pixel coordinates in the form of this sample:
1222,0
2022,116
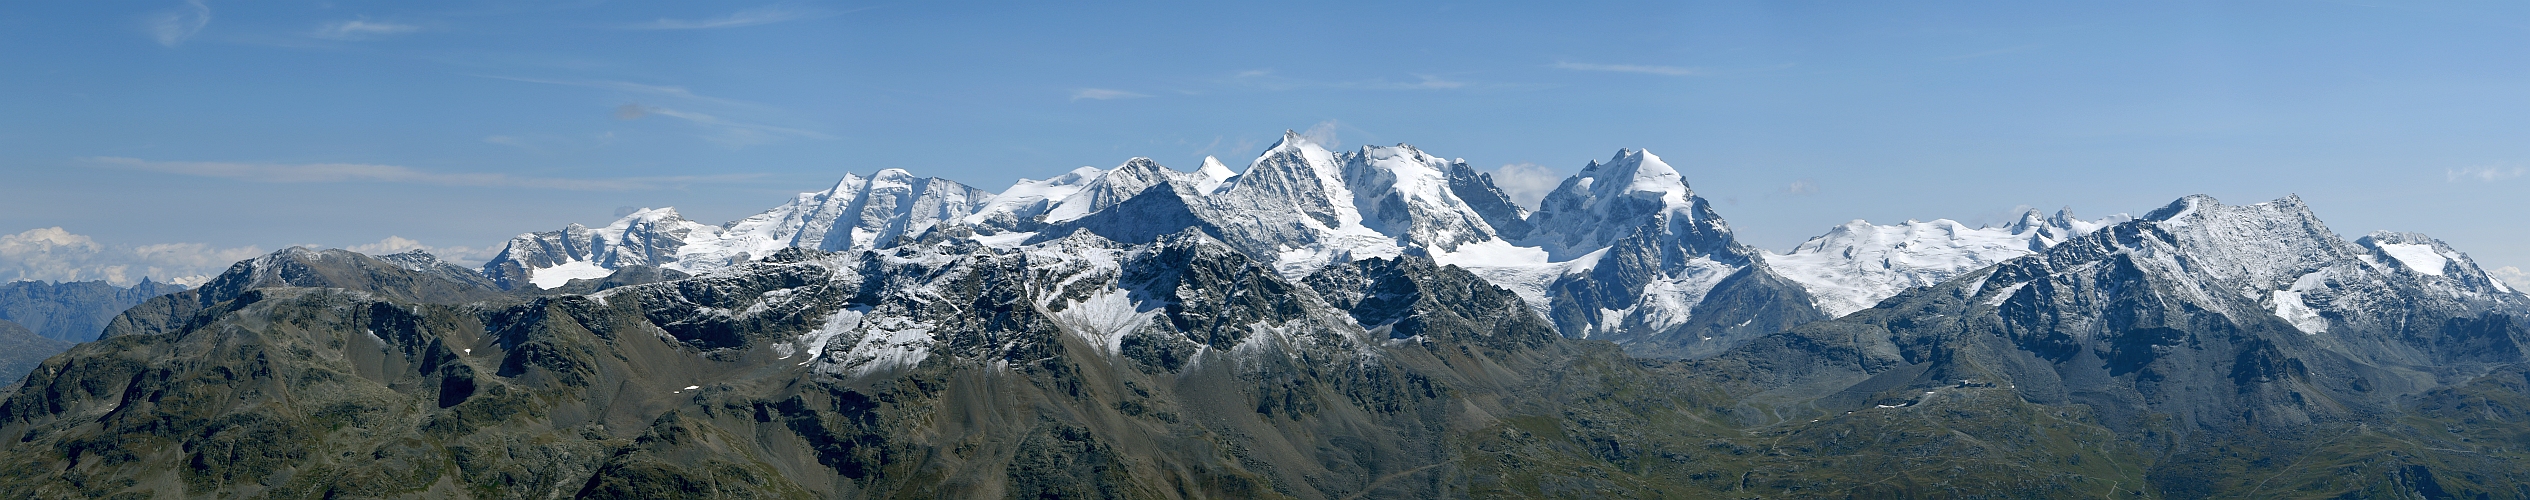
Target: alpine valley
1374,323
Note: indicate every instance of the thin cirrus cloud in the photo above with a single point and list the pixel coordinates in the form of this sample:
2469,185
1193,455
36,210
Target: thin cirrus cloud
750,17
631,87
2482,174
730,133
1425,82
362,172
1270,81
1633,68
362,29
172,27
1104,94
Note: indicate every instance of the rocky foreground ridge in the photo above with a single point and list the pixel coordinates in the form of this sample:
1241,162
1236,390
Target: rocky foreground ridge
1376,323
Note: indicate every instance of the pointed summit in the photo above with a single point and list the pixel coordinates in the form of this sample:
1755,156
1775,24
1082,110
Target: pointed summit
1608,201
1211,175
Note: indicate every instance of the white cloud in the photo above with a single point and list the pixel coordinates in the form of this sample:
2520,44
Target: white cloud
750,17
2512,276
2482,174
1324,135
55,254
1633,68
1104,94
173,27
1526,183
1801,187
362,29
361,172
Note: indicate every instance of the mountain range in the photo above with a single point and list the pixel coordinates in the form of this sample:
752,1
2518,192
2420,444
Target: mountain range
1623,251
1380,322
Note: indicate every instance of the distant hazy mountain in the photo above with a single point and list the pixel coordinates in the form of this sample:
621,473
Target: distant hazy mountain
21,350
74,311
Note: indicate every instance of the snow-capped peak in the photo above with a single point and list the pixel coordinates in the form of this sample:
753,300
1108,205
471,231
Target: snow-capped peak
1609,200
1110,187
1211,175
1028,198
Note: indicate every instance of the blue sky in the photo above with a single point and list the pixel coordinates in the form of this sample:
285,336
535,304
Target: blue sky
165,134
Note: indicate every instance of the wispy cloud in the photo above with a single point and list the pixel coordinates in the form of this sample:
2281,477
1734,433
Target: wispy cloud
751,17
1324,134
631,87
362,172
1104,94
2482,174
172,27
1424,82
1268,80
731,133
1634,68
1989,53
362,29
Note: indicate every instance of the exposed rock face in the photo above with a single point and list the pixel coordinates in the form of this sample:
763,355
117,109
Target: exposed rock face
75,311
